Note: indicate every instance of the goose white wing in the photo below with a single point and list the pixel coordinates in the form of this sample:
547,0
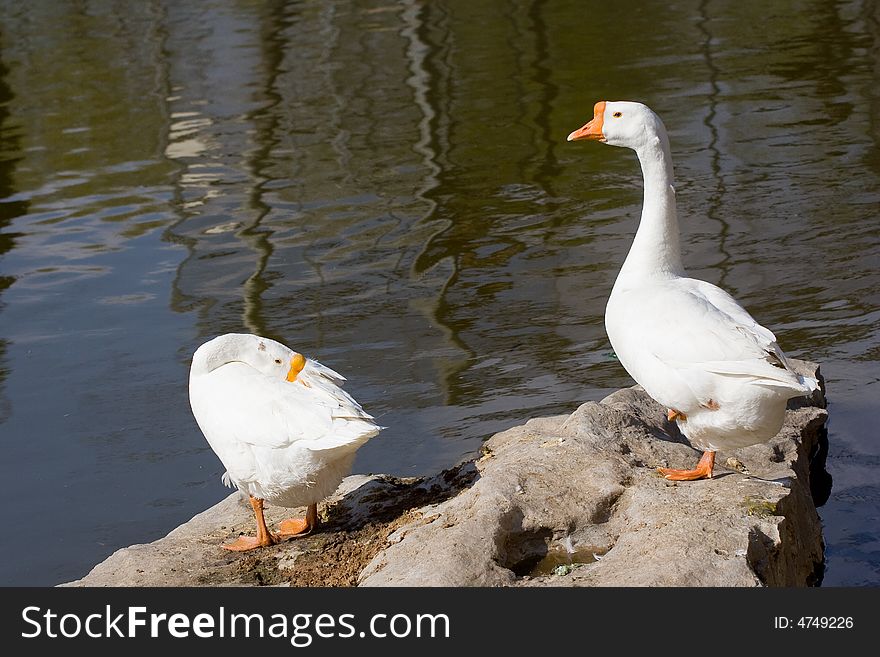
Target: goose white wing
697,329
315,370
727,305
237,404
751,348
325,384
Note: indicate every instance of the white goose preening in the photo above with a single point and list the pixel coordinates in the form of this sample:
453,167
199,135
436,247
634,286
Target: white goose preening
284,429
688,343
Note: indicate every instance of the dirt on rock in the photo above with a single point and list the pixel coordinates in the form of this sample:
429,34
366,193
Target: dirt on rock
352,531
352,535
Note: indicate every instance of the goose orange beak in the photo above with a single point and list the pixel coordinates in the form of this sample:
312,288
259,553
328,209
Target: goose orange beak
593,129
297,363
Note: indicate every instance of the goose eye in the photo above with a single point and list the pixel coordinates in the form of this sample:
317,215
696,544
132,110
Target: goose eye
617,115
278,361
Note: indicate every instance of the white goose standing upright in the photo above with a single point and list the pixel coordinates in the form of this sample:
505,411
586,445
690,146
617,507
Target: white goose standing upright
687,342
280,423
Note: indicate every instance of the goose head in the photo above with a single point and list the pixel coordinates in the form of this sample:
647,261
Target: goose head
621,123
263,354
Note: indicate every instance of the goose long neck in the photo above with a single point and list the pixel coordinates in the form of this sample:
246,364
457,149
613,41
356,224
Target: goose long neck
655,250
218,352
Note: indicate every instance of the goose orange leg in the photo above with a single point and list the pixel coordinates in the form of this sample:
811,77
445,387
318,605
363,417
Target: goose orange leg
702,471
300,526
264,537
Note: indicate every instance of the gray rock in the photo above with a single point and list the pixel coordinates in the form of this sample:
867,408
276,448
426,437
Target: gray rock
571,500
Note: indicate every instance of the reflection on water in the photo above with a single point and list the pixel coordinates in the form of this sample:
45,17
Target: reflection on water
386,187
8,147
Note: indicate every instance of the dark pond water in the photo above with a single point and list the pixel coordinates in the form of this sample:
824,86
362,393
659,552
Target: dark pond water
386,186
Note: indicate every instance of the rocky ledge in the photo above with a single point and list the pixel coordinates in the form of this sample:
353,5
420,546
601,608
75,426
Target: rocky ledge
570,500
